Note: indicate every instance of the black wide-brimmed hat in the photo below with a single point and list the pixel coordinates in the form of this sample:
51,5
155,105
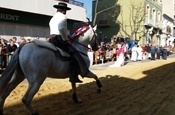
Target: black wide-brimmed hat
61,5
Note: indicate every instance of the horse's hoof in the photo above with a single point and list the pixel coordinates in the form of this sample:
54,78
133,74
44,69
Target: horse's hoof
98,84
77,101
99,91
35,113
1,112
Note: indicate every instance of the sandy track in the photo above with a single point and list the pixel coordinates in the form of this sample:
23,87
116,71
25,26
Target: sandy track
135,89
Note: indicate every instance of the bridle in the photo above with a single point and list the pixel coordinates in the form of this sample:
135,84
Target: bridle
94,36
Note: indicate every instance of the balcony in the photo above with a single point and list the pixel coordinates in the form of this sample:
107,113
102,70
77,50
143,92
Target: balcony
149,22
153,23
76,3
103,23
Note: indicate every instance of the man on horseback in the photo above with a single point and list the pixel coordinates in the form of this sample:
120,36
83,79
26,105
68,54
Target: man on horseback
59,37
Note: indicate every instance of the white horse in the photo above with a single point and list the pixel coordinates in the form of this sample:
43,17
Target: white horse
36,63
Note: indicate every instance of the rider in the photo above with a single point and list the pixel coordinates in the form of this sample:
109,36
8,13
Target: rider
59,37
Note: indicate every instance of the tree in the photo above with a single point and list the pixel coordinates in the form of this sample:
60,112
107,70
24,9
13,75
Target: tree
131,27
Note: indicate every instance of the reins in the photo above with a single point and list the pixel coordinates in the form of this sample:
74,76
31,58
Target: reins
83,46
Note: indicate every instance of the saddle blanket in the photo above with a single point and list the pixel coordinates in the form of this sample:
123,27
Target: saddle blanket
50,46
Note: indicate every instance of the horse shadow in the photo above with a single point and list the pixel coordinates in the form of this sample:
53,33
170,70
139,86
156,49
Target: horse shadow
120,95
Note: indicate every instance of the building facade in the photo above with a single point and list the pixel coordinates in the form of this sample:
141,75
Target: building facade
31,18
104,16
168,17
153,22
137,19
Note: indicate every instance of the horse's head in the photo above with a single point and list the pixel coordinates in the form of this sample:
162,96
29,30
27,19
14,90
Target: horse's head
91,37
87,35
93,42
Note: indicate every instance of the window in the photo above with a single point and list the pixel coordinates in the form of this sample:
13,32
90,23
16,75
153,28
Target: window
148,11
158,16
154,16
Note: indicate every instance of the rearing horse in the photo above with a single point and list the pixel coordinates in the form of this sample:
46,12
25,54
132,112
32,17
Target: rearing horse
36,63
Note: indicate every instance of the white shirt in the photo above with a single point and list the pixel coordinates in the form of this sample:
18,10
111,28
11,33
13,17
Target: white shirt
58,25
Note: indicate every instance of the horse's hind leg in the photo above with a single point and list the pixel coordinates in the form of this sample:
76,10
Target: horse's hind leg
74,95
92,75
11,85
89,75
33,88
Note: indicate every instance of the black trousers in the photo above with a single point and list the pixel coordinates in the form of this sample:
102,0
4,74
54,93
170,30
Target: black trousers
164,54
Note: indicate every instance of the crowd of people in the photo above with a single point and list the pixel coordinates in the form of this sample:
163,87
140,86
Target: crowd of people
111,51
120,53
7,48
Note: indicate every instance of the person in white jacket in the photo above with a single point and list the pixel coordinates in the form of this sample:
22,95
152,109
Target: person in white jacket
139,53
134,53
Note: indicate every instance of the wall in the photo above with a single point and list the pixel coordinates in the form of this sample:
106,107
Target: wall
43,7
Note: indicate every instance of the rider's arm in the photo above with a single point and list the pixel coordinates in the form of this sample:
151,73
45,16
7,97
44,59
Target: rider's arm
62,27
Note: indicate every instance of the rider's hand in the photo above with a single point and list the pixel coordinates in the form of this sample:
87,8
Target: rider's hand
71,39
68,41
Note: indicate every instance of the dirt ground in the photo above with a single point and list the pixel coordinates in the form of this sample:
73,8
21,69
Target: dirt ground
135,89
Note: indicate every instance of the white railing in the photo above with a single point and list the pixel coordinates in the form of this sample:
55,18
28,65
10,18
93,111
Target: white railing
154,23
149,22
77,3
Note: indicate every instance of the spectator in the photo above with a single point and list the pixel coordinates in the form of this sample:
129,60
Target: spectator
144,53
121,60
2,41
114,52
2,57
164,53
22,41
15,41
134,53
153,52
148,50
139,53
158,52
11,47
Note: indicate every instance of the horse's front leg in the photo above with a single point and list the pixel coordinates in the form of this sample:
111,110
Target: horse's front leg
74,95
92,75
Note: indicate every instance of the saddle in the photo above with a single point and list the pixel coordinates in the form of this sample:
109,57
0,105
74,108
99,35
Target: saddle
50,46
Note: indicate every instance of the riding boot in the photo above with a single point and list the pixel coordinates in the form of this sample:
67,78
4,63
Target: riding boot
73,72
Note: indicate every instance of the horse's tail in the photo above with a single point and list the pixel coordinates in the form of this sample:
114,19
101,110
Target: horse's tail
10,69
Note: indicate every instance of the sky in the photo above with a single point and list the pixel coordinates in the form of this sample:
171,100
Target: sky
88,6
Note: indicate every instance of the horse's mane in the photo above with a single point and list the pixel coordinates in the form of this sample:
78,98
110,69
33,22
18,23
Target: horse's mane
79,31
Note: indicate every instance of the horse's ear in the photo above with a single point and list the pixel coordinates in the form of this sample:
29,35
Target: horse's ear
88,20
95,28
